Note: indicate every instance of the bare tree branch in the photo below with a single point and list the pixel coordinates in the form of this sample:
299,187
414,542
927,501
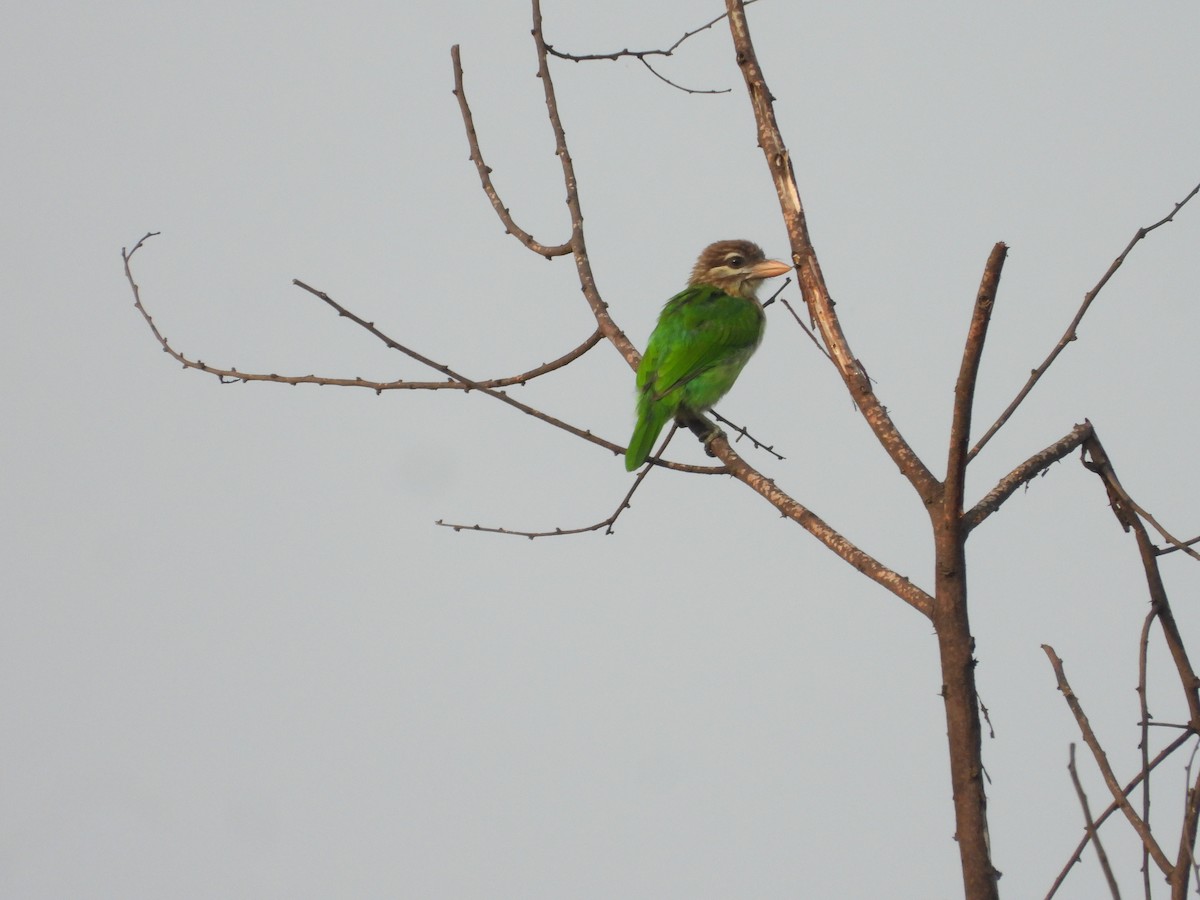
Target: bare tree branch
812,282
896,583
1077,854
234,374
818,528
808,331
576,246
1144,743
803,327
983,711
485,172
1070,334
964,390
1090,827
947,608
1176,544
1185,863
474,385
606,524
687,90
1178,874
457,381
583,265
1123,508
1089,737
1024,473
741,432
638,54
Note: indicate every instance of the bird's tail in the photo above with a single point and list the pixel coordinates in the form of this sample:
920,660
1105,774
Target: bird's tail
652,416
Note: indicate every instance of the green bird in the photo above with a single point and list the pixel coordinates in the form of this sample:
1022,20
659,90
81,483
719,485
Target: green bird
705,335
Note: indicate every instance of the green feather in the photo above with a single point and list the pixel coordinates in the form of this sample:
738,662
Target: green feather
703,339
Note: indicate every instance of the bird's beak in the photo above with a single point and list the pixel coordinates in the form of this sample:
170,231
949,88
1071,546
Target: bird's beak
769,268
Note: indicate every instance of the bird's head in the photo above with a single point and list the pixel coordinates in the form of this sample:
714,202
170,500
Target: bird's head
735,267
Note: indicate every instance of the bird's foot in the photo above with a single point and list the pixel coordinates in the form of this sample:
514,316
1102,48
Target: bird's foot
709,438
702,428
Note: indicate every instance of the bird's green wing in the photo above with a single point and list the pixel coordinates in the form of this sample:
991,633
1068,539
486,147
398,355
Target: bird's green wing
703,338
700,328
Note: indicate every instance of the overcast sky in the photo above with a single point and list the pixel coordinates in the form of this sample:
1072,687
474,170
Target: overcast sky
240,660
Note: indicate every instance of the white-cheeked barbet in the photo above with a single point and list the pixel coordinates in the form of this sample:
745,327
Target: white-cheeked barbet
705,335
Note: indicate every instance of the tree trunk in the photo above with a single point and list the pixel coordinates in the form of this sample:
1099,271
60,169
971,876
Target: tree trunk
956,647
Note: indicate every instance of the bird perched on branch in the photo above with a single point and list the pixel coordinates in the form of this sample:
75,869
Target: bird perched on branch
704,336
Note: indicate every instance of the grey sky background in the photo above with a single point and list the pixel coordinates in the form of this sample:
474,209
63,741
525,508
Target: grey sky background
239,659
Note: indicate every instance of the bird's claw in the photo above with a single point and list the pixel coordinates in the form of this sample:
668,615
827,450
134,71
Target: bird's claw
709,438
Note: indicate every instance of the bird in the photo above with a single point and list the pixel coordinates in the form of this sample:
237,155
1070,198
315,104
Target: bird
705,335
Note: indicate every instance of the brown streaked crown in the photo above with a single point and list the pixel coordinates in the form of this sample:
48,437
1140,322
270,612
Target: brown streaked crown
735,267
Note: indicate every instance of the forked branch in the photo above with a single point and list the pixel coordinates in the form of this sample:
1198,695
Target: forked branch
1123,507
457,380
576,245
1128,514
720,447
640,56
1110,779
1129,788
485,173
1071,333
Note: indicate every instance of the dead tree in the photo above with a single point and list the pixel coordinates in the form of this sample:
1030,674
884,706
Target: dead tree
951,519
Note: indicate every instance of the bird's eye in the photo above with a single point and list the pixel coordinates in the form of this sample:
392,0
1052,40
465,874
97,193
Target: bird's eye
734,261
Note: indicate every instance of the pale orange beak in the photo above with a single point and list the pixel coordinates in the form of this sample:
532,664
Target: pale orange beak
769,268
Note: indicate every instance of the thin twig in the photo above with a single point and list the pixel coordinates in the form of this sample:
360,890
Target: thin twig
778,290
1175,543
1182,726
638,54
606,524
1089,738
1122,499
1144,744
583,265
803,327
474,385
1077,854
457,380
1070,334
485,173
234,374
1090,826
983,711
1178,545
576,246
741,432
687,90
1096,460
